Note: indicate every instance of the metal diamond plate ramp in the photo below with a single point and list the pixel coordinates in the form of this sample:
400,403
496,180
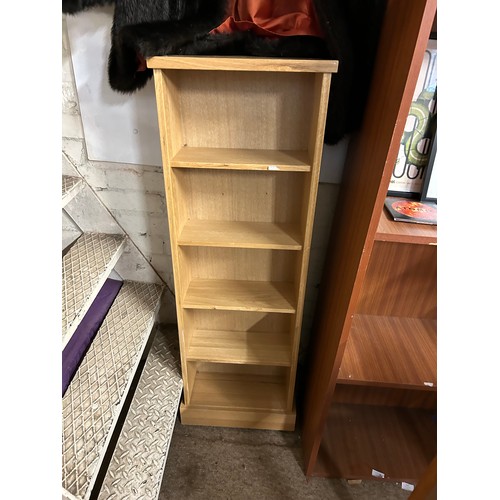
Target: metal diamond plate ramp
92,403
84,270
138,462
71,186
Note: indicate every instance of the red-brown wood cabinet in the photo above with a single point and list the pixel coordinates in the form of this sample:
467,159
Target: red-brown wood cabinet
371,395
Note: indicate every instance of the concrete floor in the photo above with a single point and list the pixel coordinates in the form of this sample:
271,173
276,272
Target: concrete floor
211,463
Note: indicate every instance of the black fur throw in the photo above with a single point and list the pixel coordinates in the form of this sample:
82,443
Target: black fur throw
145,28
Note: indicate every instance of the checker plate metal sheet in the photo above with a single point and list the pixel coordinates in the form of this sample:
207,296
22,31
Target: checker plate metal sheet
84,269
70,188
138,462
92,403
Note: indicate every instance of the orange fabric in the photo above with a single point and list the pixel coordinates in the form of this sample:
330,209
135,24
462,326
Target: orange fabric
271,18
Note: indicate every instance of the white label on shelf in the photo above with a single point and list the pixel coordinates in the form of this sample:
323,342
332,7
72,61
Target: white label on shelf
377,473
273,167
429,384
407,486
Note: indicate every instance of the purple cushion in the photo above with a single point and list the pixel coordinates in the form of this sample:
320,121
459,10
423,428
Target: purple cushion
77,346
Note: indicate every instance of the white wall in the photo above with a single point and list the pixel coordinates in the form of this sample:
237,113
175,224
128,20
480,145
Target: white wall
133,194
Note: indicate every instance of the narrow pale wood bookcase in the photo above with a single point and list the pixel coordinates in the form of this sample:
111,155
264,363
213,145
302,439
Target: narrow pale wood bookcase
241,143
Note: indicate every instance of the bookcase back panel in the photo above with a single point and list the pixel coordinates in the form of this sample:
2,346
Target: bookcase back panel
231,109
237,369
383,396
238,264
400,281
237,321
239,195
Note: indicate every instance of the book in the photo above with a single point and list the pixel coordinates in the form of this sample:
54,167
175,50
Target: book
420,127
408,210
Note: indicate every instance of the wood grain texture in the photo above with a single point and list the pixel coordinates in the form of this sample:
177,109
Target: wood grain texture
371,156
427,485
239,391
235,295
244,110
242,264
242,159
227,417
401,280
405,232
168,120
392,352
400,442
239,195
316,138
219,63
240,234
255,348
249,321
384,396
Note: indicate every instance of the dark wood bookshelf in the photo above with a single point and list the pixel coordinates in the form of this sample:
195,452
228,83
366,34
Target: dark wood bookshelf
371,394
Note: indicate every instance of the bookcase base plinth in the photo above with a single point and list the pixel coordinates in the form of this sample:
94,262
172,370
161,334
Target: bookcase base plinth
248,419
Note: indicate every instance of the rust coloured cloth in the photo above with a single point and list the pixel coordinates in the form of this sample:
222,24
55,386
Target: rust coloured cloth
271,19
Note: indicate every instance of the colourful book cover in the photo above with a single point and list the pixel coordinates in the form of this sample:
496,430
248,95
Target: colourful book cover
408,210
421,124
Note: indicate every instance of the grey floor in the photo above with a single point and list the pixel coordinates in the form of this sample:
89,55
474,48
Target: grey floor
219,463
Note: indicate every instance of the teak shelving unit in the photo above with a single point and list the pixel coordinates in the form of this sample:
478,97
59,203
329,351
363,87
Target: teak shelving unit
370,402
241,142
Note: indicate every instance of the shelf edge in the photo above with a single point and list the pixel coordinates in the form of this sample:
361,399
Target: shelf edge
229,63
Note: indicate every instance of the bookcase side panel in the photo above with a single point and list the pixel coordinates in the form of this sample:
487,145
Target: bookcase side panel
169,124
319,99
168,94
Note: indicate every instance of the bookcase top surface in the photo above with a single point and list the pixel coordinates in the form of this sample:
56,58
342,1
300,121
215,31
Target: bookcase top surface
230,63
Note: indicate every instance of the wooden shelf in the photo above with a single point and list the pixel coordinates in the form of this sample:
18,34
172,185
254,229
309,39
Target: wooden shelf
240,234
240,295
239,391
221,63
253,348
391,352
399,442
242,159
405,232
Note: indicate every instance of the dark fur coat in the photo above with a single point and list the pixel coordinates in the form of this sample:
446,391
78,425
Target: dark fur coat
144,28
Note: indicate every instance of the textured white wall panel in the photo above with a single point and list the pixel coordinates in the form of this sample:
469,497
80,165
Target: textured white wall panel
118,128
